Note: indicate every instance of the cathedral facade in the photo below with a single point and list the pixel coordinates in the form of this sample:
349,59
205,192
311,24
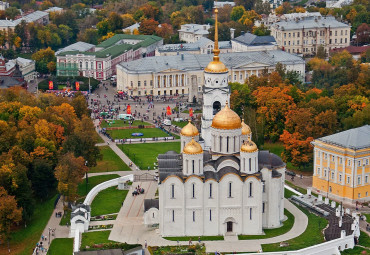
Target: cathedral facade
220,183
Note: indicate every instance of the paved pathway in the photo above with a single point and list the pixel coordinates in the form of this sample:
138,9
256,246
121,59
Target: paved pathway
60,231
130,228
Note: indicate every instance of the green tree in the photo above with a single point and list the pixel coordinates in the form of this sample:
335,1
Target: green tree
12,12
42,178
321,52
90,35
237,12
148,26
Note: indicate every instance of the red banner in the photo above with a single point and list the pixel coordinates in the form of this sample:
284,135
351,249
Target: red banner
128,110
168,110
191,112
77,85
51,86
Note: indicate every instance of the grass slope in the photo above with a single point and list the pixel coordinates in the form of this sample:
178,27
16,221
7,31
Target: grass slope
145,154
313,235
108,201
110,162
97,237
122,123
61,246
93,181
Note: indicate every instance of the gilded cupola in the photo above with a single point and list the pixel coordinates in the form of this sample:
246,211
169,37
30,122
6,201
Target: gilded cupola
189,130
226,119
193,147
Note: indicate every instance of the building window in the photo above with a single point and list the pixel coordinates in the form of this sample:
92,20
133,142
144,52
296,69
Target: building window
349,162
340,178
333,158
210,190
359,163
250,189
80,64
366,178
348,180
193,192
318,171
340,161
99,65
230,186
330,189
332,175
250,213
193,166
263,207
132,83
173,215
263,187
359,180
366,161
210,215
193,216
326,156
359,195
173,191
139,83
298,34
144,83
325,173
151,82
250,165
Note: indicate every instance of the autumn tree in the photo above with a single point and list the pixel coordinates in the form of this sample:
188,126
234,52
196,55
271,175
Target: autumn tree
164,30
363,34
237,12
10,214
261,30
69,173
43,57
148,26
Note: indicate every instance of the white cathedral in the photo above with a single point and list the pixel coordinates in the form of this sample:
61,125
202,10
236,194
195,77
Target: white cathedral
220,184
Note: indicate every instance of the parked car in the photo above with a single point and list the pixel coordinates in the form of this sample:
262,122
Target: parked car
291,173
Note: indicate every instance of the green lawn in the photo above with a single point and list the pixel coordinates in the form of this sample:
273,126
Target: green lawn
93,181
195,111
110,162
97,237
108,201
66,218
287,225
364,240
100,140
147,133
122,123
61,246
23,240
145,154
299,189
195,238
180,123
313,235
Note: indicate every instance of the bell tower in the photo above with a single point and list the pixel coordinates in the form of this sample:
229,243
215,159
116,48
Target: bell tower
216,90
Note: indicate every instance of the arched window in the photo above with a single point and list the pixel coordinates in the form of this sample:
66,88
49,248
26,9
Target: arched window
210,215
172,190
250,213
329,188
193,166
250,164
173,215
210,190
193,190
230,187
193,216
220,143
250,189
216,107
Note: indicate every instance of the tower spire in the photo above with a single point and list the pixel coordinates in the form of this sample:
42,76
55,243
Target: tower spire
216,51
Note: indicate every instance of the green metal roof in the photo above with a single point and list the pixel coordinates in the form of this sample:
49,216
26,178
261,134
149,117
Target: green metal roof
111,48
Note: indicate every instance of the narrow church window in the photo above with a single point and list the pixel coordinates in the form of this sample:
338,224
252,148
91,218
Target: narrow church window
193,166
210,190
250,188
234,143
250,165
153,215
173,191
250,213
193,216
263,187
263,207
210,215
193,190
227,144
230,189
220,143
173,215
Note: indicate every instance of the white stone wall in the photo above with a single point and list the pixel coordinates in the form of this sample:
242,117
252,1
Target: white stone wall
192,164
249,162
151,217
225,141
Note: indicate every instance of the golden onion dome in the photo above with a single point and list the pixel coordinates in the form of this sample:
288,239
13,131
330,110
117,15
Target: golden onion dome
193,147
226,119
249,146
216,66
189,130
246,130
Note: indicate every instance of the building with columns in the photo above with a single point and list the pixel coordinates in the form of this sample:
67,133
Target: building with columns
183,74
220,184
342,165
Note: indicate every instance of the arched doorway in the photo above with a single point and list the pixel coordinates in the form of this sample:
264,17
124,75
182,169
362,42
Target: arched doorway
229,226
216,107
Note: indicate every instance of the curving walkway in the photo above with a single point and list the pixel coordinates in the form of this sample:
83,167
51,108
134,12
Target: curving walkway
130,228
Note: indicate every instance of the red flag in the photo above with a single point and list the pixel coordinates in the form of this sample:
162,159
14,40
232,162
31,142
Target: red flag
77,85
168,110
191,112
128,110
51,86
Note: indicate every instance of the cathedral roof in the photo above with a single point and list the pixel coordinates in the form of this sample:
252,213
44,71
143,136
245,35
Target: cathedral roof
189,130
269,160
246,130
249,146
226,119
193,147
217,162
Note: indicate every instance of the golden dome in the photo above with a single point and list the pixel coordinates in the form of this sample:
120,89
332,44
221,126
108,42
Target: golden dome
249,146
216,66
246,130
226,119
189,130
193,147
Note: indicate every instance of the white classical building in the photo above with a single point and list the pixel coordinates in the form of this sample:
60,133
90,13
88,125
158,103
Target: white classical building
193,32
220,184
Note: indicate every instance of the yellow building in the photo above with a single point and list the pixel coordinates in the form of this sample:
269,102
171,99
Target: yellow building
341,165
